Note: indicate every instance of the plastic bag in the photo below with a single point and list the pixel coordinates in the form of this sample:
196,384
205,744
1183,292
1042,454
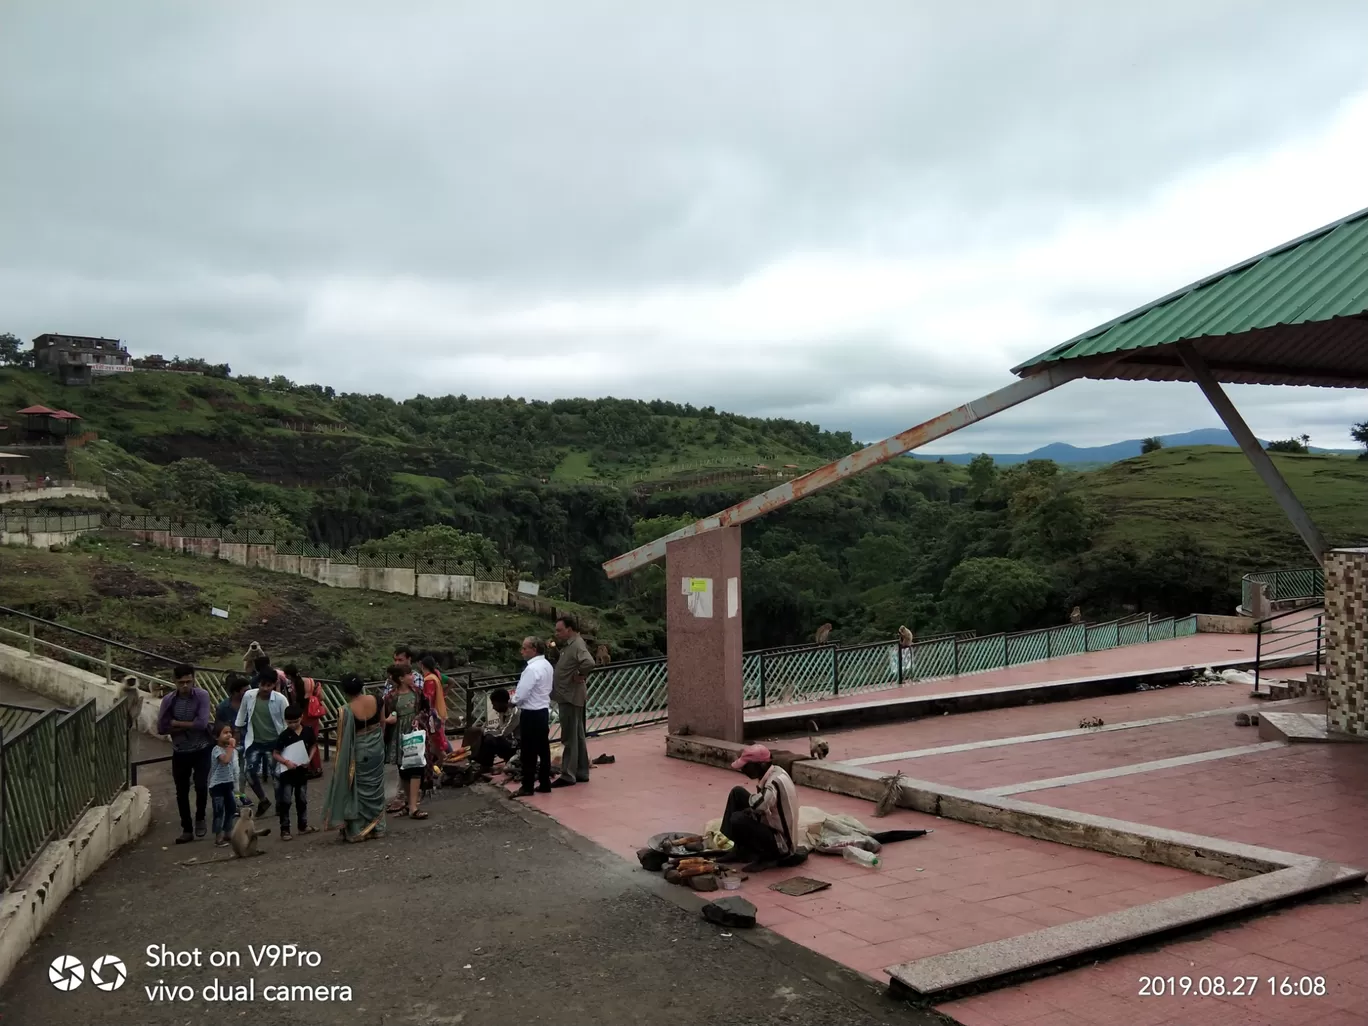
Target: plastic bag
413,749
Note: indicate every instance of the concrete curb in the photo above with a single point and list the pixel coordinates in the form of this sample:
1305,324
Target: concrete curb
64,865
1261,878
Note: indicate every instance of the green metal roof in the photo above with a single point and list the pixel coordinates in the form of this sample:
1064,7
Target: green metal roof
1296,315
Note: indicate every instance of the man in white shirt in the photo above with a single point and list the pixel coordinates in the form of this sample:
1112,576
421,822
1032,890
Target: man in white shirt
533,699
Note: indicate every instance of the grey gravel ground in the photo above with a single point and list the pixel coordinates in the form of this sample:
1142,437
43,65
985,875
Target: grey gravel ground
484,913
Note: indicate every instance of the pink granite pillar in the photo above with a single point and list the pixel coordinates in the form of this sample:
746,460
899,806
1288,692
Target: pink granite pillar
703,626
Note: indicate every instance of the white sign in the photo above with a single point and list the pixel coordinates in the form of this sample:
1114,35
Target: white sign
528,587
222,614
733,598
697,592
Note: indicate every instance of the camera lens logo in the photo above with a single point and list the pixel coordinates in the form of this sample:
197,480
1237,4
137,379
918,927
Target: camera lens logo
108,972
66,972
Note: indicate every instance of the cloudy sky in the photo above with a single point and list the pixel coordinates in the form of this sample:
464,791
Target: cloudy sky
861,213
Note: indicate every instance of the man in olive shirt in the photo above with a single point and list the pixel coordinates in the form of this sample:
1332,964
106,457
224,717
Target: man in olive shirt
571,696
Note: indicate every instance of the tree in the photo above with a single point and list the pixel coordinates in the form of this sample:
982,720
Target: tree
266,516
10,352
1359,433
439,540
992,595
983,475
1292,445
1152,444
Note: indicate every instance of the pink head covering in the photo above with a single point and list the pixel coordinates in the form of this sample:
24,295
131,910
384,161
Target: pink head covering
751,753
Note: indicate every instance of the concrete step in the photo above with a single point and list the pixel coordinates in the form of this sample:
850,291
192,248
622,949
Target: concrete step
1298,727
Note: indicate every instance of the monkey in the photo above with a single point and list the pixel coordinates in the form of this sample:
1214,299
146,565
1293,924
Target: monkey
242,839
823,632
250,657
817,746
1076,616
905,637
601,656
134,696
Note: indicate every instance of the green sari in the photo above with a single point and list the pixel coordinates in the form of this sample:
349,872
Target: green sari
355,801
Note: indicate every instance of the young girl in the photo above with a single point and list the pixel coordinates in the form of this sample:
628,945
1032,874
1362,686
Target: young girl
223,783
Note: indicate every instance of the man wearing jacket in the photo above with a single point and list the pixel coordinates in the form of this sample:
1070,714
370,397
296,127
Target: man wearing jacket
262,716
571,696
184,714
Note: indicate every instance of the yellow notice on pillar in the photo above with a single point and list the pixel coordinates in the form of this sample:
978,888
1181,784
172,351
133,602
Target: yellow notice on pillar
698,592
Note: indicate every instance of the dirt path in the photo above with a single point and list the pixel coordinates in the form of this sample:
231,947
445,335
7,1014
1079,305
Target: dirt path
484,913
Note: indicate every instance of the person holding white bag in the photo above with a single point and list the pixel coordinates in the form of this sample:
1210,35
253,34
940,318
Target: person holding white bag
406,714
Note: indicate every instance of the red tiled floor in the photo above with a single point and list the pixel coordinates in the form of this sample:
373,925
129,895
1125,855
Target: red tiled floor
931,894
967,728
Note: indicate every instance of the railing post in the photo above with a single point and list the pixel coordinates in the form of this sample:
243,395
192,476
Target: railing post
31,637
1049,644
1258,653
900,662
1319,621
835,672
762,680
954,663
109,667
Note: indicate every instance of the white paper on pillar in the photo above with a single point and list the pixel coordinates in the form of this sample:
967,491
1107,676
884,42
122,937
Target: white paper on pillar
733,599
698,592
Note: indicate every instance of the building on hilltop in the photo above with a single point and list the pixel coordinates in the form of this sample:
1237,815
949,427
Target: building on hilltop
76,359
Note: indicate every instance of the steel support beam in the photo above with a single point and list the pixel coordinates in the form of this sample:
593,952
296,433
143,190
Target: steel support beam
1263,463
1017,392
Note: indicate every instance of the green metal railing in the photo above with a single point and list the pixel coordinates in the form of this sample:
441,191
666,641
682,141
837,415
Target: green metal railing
51,771
1284,585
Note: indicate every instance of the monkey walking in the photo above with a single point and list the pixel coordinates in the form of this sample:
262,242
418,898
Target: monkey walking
243,839
817,746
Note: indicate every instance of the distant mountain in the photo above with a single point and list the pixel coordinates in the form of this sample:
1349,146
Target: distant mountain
1063,452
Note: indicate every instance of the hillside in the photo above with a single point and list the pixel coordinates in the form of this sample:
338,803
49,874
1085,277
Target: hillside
290,434
1099,455
160,602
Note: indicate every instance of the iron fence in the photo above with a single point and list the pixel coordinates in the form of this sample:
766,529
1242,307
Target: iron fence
1282,639
53,769
1302,583
50,523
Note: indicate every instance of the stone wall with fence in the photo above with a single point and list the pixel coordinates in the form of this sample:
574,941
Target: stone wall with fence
401,573
1346,641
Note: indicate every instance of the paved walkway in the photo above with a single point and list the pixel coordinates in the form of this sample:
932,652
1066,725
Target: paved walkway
1198,650
484,913
959,886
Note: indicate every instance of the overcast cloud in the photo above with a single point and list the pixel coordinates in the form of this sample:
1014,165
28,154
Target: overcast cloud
861,214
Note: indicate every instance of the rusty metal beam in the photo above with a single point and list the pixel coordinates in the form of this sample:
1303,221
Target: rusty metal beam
1029,387
1254,452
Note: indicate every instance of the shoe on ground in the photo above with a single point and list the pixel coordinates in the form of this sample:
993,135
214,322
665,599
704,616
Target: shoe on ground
264,808
543,789
185,838
523,792
563,782
605,760
200,828
220,841
285,835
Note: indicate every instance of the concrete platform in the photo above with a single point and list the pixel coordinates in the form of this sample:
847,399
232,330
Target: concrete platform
1300,728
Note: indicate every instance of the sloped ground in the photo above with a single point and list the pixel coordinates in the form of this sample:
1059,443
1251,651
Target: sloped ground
484,913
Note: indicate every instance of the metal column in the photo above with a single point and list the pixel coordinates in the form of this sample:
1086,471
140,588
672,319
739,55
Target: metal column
848,466
1263,464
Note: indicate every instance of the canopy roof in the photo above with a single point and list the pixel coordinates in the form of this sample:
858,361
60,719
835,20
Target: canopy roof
1295,315
36,411
64,415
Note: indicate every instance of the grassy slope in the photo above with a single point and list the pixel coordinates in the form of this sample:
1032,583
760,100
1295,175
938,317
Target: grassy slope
1214,493
160,601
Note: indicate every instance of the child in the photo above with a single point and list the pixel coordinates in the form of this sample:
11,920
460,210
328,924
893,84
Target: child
223,783
292,778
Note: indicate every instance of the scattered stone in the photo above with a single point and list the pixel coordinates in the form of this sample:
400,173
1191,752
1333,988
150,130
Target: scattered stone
731,912
1090,723
1253,719
703,882
1242,719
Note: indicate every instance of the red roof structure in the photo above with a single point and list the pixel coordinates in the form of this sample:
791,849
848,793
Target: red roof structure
64,415
37,411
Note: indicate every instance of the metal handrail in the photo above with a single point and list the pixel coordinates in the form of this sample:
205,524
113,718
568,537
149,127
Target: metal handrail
1262,650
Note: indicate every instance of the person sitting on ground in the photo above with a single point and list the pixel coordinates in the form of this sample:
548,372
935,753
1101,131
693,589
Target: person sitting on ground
762,826
499,739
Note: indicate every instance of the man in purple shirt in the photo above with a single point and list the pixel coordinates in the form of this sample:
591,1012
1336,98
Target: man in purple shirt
184,715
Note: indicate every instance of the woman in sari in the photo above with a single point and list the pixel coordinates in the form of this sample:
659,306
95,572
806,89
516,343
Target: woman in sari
436,696
355,801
